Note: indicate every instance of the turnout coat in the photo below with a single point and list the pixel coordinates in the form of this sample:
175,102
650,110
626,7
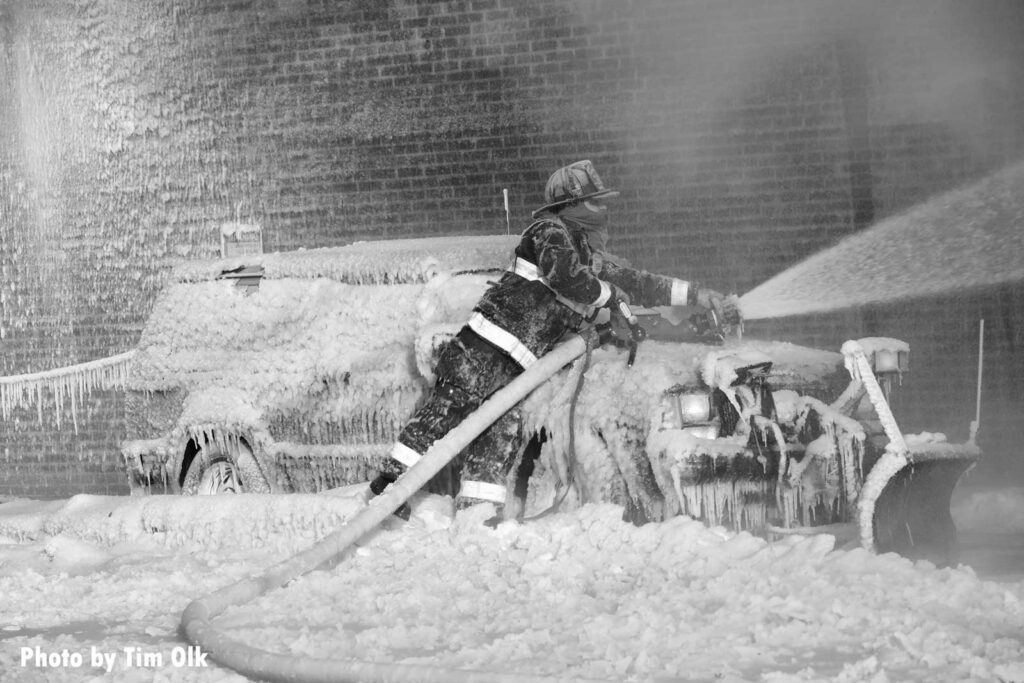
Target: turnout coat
554,284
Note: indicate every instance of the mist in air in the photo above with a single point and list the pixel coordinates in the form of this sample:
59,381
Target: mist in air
967,238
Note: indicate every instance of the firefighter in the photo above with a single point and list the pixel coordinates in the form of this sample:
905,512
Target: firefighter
560,277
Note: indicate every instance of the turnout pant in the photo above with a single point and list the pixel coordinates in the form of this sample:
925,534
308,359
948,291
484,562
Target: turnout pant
468,371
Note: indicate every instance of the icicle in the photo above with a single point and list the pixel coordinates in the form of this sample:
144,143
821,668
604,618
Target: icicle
718,502
677,484
74,383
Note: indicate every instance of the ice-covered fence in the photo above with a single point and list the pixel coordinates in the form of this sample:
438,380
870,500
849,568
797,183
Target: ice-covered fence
72,383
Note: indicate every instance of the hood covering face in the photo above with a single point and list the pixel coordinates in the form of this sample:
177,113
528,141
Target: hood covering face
593,223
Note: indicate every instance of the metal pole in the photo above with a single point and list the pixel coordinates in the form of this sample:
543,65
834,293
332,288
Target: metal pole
508,221
981,355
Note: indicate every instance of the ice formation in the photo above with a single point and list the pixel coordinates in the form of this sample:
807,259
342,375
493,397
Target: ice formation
336,347
237,228
330,334
292,522
616,420
411,261
72,384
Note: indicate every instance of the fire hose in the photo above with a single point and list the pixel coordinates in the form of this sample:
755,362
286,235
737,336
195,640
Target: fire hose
272,666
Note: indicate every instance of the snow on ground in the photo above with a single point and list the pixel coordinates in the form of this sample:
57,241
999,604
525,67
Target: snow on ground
579,594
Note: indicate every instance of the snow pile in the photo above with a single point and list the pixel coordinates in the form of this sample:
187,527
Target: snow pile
22,520
288,522
934,446
571,595
587,595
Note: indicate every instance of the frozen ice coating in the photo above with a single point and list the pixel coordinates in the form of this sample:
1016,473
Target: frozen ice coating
227,331
609,424
719,371
234,228
376,262
970,237
344,319
842,441
870,345
70,384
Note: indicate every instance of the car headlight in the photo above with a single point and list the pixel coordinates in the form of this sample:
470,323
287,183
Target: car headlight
694,408
681,410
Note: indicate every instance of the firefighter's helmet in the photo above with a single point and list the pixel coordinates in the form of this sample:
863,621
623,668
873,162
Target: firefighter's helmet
576,182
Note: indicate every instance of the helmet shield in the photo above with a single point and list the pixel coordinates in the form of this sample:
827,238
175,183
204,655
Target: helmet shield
576,182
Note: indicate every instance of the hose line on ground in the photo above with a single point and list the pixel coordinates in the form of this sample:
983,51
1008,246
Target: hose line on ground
271,666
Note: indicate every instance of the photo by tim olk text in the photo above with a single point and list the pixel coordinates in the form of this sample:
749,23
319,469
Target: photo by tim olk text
129,657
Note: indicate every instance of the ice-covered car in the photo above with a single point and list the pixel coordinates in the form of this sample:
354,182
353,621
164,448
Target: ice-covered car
293,372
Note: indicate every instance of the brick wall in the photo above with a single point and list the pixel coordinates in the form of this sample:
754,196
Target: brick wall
744,136
53,458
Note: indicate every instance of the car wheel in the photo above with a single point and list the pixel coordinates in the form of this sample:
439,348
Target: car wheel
215,470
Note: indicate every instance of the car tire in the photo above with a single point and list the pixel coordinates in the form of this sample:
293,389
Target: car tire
217,469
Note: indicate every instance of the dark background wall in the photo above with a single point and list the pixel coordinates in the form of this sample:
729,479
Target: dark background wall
743,135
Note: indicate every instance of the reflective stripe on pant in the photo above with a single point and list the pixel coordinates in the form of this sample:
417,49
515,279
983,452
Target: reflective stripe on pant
481,490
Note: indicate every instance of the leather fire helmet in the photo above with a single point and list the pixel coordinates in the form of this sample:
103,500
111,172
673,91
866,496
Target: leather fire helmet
574,183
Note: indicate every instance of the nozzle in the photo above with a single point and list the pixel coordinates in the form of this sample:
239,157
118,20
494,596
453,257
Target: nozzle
627,312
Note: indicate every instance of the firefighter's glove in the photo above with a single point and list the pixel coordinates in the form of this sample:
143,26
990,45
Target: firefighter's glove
726,308
606,334
710,299
730,313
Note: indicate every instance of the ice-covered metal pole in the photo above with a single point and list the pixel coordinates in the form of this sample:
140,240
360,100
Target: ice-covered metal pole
895,457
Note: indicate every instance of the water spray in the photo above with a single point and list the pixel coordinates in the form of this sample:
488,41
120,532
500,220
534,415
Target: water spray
908,255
